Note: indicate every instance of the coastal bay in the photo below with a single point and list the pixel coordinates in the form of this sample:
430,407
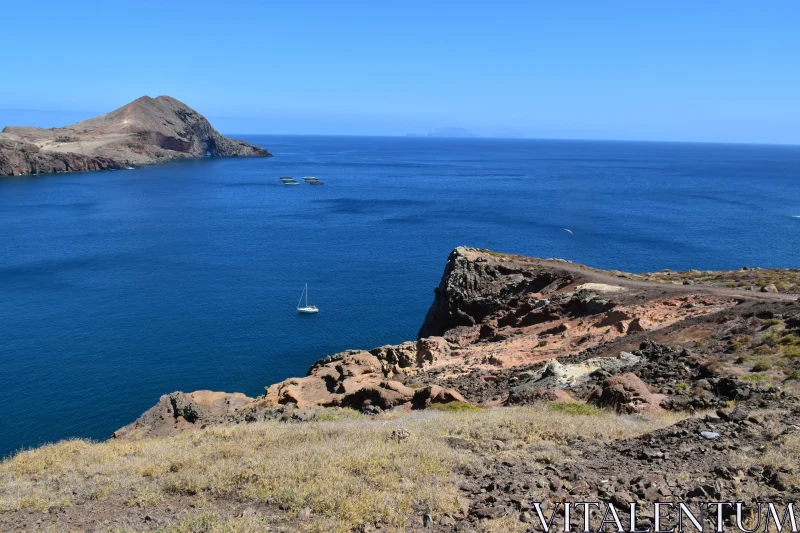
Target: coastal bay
121,286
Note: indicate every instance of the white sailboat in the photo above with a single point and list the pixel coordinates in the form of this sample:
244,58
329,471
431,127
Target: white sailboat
308,309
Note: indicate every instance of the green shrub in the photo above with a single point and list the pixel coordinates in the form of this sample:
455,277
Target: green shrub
793,375
790,339
763,350
761,366
792,351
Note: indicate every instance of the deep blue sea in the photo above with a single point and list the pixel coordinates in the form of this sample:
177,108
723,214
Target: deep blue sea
118,287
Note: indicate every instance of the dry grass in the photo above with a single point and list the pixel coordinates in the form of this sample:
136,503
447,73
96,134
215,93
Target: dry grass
783,454
785,280
349,472
209,522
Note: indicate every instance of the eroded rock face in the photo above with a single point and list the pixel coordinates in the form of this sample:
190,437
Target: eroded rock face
357,380
180,411
473,287
146,131
21,157
432,349
426,396
511,330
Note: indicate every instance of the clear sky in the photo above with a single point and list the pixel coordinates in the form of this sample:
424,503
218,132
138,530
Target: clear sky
680,70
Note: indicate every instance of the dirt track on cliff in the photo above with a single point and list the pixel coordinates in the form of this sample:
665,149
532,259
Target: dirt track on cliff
593,276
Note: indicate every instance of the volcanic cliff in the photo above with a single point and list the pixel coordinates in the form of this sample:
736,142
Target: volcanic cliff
532,380
143,132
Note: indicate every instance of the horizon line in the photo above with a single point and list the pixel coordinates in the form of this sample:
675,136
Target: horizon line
509,138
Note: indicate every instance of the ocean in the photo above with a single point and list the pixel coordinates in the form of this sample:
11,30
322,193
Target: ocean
118,287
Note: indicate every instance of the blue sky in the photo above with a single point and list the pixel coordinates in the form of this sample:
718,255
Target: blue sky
725,71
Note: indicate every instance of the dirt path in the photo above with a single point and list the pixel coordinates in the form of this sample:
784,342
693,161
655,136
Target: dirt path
594,276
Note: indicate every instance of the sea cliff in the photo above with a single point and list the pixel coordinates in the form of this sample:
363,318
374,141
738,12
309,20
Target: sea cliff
143,132
531,380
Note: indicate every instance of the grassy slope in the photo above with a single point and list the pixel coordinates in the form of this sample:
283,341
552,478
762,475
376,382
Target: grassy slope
348,472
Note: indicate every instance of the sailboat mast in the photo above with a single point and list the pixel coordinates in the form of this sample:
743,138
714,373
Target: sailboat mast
306,294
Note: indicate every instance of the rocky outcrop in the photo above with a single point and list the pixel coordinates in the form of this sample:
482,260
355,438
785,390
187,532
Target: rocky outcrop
180,411
146,131
21,157
475,286
626,393
512,330
357,380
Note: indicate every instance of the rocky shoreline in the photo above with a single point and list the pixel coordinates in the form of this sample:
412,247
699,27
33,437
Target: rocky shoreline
144,132
510,330
535,380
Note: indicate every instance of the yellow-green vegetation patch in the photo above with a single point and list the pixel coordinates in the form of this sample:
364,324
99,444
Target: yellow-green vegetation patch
756,378
454,407
795,374
335,415
575,408
761,366
785,280
791,351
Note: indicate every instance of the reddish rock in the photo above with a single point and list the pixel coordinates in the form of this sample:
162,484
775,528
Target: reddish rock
626,393
637,325
179,411
431,349
434,394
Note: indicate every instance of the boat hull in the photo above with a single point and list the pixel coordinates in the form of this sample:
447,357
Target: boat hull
307,310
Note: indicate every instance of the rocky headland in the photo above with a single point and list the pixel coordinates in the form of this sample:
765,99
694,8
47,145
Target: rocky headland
530,380
143,132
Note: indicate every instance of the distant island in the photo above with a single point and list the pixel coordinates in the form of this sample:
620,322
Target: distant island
143,132
452,132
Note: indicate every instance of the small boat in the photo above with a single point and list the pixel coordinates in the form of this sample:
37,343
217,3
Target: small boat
313,181
286,180
306,309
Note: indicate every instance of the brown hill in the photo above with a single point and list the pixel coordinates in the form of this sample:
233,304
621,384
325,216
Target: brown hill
145,131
